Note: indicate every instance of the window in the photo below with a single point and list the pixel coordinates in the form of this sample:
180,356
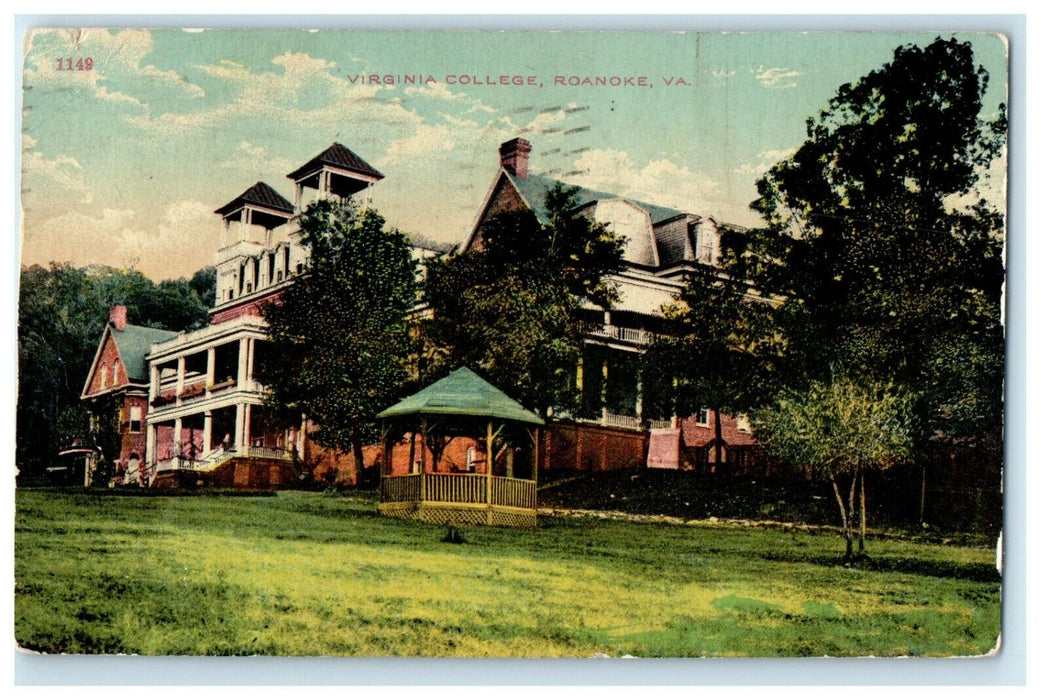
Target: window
471,459
103,378
703,416
135,422
743,424
116,372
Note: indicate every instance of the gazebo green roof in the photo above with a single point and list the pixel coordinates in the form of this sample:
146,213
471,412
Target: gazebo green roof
462,393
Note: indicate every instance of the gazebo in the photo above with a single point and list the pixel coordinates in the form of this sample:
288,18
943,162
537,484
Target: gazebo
496,489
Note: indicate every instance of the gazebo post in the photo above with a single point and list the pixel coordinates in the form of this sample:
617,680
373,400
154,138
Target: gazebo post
490,467
535,462
422,476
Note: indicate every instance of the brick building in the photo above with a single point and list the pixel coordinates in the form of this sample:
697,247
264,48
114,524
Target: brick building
663,244
120,372
192,406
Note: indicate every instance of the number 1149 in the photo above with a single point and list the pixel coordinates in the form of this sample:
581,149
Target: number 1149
78,64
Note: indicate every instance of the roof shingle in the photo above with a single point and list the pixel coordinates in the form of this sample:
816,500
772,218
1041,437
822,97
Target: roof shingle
339,156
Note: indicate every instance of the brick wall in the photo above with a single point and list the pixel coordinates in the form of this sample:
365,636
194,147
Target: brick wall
581,447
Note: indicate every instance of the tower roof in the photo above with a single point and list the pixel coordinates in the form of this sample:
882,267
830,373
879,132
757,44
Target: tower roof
260,194
340,157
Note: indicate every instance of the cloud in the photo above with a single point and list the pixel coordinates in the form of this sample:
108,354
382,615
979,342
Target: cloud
173,79
183,241
776,77
764,161
658,182
300,90
424,142
255,159
64,171
721,77
115,55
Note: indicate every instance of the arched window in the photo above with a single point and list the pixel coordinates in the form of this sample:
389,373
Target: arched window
103,379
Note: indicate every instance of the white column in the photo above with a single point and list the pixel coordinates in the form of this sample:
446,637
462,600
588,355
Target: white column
251,361
640,397
154,381
207,433
242,234
210,379
177,438
242,360
298,197
180,382
150,456
247,425
238,431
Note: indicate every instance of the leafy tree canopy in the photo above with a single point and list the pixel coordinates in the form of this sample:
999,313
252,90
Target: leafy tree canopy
511,307
341,336
62,312
839,430
880,245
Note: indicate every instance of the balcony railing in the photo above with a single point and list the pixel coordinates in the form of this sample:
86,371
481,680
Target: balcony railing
220,456
615,420
635,336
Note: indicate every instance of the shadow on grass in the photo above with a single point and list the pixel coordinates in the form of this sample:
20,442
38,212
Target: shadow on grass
980,573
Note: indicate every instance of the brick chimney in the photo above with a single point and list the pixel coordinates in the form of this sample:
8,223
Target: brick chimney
118,317
514,156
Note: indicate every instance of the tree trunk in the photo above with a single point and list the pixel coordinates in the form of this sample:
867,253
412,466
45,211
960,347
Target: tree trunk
845,529
851,504
862,514
358,461
924,478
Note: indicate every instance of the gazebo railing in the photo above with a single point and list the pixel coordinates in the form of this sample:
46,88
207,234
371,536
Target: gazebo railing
456,488
400,489
471,489
516,493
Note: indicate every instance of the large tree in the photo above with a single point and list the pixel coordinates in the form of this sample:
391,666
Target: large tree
341,335
840,431
882,247
511,308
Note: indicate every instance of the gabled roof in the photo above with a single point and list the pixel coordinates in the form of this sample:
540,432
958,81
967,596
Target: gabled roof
533,189
260,194
462,393
340,157
133,345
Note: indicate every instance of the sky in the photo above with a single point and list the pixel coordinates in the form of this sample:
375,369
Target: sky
125,163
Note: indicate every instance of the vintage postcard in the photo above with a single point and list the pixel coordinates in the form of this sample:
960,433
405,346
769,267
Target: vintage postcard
357,343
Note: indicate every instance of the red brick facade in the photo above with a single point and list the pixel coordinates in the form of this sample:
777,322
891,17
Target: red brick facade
103,376
251,308
581,447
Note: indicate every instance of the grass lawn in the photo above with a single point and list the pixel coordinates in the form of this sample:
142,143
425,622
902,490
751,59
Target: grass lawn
325,575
